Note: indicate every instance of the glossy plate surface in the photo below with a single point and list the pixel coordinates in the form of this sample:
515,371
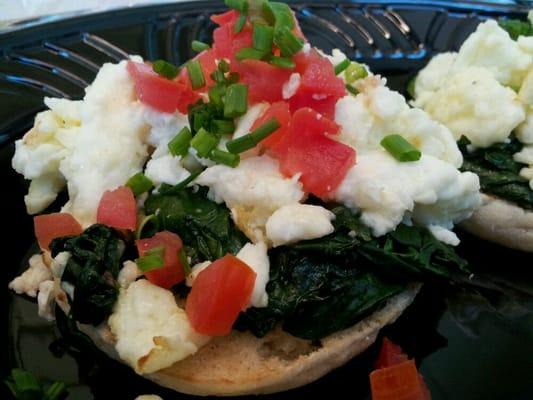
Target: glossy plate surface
470,344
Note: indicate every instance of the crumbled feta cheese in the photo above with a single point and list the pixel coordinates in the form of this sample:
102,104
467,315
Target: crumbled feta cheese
151,331
256,257
291,86
45,299
378,111
253,191
163,126
93,145
59,263
444,235
474,104
28,282
428,192
295,222
128,274
434,75
166,169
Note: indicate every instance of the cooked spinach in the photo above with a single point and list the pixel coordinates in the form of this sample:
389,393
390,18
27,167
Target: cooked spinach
498,172
315,295
320,286
204,226
516,27
92,269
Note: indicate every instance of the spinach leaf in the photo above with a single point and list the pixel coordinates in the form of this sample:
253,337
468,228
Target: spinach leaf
498,172
92,269
315,296
204,226
516,27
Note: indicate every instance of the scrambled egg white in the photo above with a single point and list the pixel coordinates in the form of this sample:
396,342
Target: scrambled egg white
93,145
151,331
429,192
28,282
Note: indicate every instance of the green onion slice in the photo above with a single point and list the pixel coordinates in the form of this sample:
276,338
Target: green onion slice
263,37
342,66
196,75
400,148
223,126
354,72
249,53
165,69
179,145
278,14
146,221
139,183
198,46
287,42
203,142
240,5
166,189
223,66
55,391
224,157
184,262
236,102
152,259
282,62
352,90
252,139
240,23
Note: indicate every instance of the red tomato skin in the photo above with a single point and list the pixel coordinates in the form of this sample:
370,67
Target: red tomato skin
48,227
306,149
219,293
229,17
397,382
118,209
280,111
227,43
389,355
324,106
172,272
162,94
208,63
265,82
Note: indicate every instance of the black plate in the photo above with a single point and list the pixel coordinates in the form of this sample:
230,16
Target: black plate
470,344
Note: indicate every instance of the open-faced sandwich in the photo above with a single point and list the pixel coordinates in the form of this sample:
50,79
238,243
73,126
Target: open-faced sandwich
244,223
484,94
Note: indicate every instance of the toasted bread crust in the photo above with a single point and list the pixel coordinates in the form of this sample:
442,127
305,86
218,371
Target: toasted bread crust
502,222
242,364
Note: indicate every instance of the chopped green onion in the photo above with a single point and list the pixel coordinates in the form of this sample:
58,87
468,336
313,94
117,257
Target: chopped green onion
240,23
249,53
55,391
24,384
152,259
139,183
224,157
196,74
216,93
352,90
354,72
199,46
278,14
170,190
218,76
263,36
203,142
236,102
342,66
184,262
145,221
222,126
223,66
179,145
165,69
287,42
240,5
252,139
282,62
233,77
400,148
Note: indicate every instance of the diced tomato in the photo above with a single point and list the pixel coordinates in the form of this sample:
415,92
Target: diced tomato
51,226
390,354
227,43
172,272
160,93
397,382
207,62
319,87
265,82
219,293
118,209
306,149
229,17
280,111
